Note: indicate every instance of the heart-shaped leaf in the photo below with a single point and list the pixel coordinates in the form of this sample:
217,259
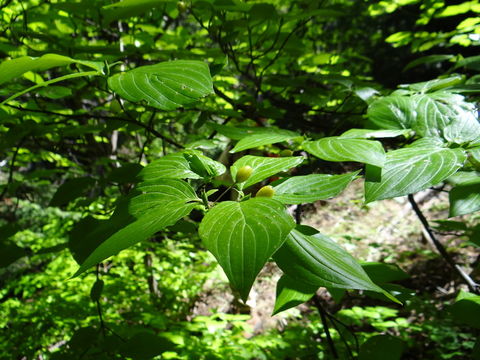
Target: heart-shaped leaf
344,149
243,236
264,167
151,207
165,86
412,169
310,188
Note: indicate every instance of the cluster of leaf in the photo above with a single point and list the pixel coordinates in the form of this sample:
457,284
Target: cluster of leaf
144,144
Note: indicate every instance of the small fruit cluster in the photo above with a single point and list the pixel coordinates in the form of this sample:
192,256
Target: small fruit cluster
244,173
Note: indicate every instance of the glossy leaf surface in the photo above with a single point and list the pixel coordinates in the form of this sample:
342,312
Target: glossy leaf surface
367,133
310,188
439,114
190,164
267,138
409,170
13,68
315,259
165,86
345,149
243,236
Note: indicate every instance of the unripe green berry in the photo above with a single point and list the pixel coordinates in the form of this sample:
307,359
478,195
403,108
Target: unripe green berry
286,153
243,173
266,191
181,6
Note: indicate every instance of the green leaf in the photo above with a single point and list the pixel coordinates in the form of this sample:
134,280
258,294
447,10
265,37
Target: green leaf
317,260
10,69
465,197
471,62
151,207
392,112
264,167
10,252
129,8
190,164
292,292
466,309
435,84
83,338
267,138
384,273
127,173
429,59
344,149
96,290
134,3
242,132
474,157
236,132
165,86
171,166
145,345
243,236
203,165
367,133
310,188
381,347
49,82
409,170
55,92
439,114
373,173
70,190
367,94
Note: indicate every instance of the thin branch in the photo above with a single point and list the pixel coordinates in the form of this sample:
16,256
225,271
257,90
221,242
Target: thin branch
224,97
275,40
280,49
334,322
5,4
102,117
472,285
99,306
321,311
10,171
249,112
298,213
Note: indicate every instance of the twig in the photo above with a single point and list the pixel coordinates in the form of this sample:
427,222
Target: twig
298,213
99,306
102,117
280,49
10,172
334,320
472,285
321,311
